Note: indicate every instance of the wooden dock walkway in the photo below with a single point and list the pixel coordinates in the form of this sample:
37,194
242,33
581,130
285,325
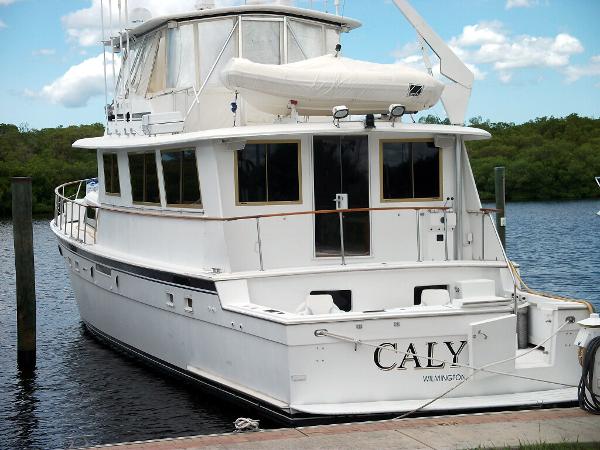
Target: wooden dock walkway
485,430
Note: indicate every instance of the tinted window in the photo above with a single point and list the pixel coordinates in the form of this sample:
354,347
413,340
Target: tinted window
111,174
144,180
410,170
268,173
426,170
180,172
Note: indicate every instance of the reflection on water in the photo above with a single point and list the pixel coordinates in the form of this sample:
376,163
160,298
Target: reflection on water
84,393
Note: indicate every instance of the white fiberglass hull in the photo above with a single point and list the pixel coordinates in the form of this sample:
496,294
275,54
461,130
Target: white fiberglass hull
279,368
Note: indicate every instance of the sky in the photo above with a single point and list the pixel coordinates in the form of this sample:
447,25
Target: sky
531,58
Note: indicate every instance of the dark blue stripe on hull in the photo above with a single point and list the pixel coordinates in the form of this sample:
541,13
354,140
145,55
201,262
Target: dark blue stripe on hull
200,284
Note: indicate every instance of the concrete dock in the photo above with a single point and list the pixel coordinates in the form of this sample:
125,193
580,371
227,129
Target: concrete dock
485,430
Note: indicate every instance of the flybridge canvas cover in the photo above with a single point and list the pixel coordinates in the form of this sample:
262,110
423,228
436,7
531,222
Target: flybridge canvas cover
318,84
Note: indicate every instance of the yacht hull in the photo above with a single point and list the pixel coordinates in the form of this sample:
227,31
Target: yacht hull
266,365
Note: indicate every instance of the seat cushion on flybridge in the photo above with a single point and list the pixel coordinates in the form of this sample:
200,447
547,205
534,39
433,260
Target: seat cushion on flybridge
319,84
318,304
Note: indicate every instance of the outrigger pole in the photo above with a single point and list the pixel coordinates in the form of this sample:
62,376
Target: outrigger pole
455,97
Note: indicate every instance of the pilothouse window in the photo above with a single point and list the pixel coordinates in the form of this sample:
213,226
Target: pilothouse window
180,172
268,172
111,174
144,179
410,170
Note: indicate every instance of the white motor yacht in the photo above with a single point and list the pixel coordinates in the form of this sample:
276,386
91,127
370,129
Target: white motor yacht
270,224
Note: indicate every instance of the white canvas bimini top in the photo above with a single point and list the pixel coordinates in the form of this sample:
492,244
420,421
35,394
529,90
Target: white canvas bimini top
279,10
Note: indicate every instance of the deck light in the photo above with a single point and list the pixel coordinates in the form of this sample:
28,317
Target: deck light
340,112
397,110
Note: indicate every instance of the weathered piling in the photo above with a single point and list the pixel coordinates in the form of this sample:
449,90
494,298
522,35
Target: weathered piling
500,177
25,273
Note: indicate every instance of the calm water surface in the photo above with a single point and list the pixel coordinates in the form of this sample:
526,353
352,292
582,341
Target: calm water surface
84,393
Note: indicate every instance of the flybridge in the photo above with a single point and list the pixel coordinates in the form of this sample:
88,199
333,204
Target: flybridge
173,70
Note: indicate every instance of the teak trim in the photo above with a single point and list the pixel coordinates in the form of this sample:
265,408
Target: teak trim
173,214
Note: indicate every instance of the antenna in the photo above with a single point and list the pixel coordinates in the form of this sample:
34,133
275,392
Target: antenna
455,97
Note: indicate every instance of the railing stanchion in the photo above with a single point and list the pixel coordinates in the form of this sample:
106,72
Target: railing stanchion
445,235
64,217
342,248
55,210
71,227
483,235
418,235
260,255
59,213
85,225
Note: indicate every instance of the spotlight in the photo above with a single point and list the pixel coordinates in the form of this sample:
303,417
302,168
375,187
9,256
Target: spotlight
397,110
340,112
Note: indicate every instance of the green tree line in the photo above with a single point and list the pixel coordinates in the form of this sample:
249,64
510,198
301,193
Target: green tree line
546,158
47,157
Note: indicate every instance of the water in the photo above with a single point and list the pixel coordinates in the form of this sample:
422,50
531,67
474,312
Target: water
84,393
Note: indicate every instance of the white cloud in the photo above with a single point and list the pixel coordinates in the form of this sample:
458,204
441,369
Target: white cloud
505,77
44,52
489,46
591,69
520,3
84,25
529,51
480,34
2,24
78,84
6,2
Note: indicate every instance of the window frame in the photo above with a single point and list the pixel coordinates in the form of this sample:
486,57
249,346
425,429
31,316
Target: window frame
106,192
279,202
158,178
382,199
164,182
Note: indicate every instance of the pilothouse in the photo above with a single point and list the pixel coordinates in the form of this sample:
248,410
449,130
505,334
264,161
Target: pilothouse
267,223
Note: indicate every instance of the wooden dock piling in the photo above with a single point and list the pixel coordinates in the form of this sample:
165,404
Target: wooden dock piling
25,273
500,177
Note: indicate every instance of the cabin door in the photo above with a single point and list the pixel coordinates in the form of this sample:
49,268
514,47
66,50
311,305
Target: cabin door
341,166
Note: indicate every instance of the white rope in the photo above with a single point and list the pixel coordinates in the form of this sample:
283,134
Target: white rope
484,368
244,424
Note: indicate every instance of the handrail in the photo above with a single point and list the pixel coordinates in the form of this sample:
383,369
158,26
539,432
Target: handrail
176,214
74,226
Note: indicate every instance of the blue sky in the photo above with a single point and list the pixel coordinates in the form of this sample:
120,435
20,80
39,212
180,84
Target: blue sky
531,57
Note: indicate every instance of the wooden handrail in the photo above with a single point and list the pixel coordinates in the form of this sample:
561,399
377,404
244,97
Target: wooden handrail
161,213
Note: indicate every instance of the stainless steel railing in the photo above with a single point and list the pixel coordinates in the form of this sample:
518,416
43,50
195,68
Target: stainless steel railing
72,215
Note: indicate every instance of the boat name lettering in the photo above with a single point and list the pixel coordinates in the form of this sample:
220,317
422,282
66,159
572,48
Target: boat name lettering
410,355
